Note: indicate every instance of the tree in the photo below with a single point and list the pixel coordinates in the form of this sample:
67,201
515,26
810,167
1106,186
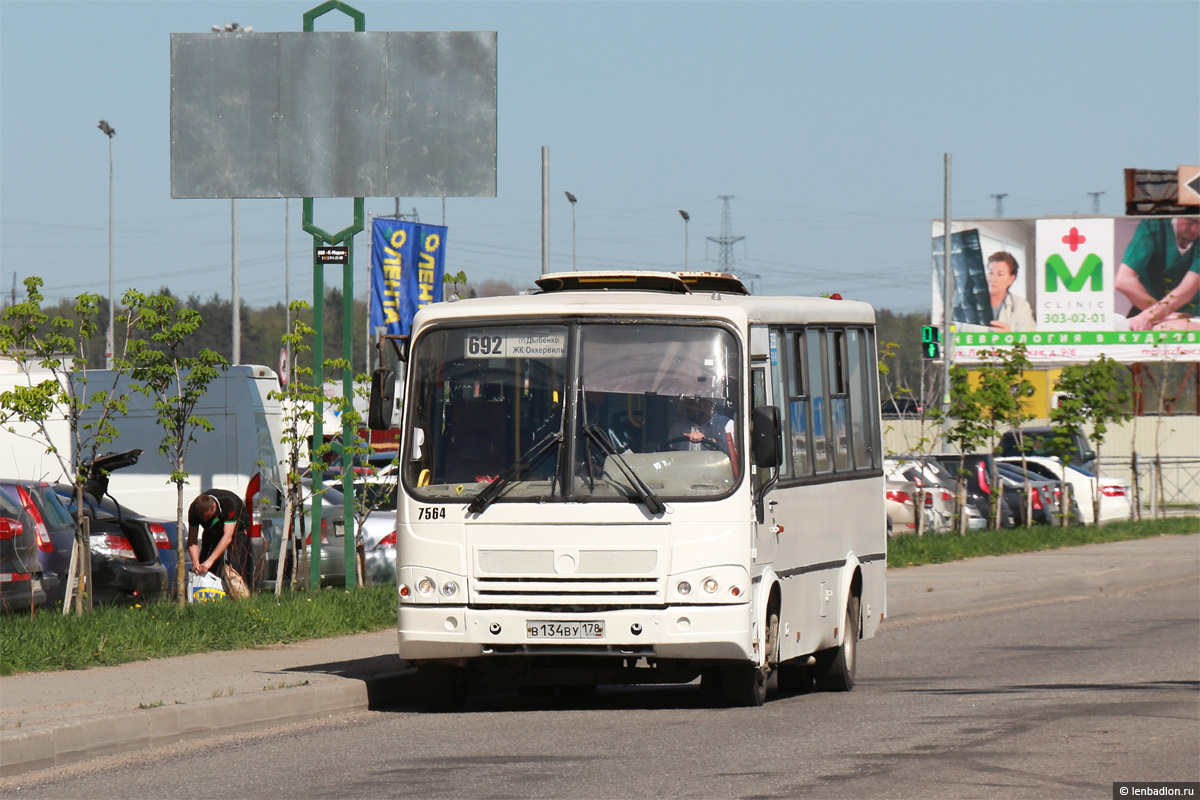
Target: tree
894,390
1090,393
378,487
1000,396
298,398
963,426
176,382
58,346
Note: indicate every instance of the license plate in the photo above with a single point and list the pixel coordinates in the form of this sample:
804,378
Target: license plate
542,629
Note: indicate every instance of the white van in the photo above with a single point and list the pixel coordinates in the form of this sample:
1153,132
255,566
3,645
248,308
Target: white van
244,442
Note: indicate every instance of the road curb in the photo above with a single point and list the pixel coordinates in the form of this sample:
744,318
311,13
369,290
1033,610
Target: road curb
140,729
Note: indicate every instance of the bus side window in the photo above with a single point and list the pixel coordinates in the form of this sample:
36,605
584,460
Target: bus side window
860,434
838,400
814,374
799,443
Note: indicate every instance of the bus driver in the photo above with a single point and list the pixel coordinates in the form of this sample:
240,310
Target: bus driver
700,424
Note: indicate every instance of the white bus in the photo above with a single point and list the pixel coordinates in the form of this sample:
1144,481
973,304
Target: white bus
640,478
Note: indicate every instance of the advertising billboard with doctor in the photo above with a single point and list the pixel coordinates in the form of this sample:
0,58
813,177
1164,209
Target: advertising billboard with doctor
1071,288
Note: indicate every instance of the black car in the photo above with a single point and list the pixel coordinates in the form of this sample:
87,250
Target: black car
901,408
20,570
101,506
977,469
126,567
1036,441
1042,493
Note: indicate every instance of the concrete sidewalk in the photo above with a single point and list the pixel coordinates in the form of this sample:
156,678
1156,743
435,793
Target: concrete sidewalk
49,719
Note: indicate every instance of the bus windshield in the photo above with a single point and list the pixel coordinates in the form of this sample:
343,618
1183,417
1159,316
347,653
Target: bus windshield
578,411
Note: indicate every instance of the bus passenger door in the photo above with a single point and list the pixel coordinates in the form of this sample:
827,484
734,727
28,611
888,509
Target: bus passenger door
766,536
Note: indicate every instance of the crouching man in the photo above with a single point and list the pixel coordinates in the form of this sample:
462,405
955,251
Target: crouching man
219,541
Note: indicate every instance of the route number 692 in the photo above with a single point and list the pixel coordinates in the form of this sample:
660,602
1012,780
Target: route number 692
485,346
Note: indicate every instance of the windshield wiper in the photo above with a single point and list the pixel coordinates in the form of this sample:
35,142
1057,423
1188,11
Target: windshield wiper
652,501
529,459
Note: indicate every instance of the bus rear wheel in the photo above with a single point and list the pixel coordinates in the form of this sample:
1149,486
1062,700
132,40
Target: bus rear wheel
835,666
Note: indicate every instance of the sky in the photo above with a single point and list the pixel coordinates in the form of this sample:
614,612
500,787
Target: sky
827,122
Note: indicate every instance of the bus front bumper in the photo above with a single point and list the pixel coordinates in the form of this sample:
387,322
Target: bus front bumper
700,632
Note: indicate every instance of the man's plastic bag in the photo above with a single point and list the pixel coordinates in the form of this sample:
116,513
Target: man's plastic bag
205,588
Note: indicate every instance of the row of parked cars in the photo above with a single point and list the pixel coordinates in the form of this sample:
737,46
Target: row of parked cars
134,558
1031,480
131,556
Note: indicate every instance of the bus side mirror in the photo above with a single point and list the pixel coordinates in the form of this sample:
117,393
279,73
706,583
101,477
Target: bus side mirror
383,400
764,437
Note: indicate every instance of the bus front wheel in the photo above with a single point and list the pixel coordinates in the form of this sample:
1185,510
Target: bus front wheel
835,666
746,684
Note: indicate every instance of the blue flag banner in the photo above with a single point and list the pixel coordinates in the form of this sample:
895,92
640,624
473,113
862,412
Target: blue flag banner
408,260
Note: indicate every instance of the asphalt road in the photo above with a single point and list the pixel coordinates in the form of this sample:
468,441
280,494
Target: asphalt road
1054,700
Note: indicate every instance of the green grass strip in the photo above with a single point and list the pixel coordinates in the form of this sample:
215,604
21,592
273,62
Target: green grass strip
113,635
909,551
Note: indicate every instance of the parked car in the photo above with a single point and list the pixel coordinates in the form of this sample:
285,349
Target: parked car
976,468
1114,492
333,542
376,488
900,501
938,486
379,528
900,408
125,564
163,532
20,570
1035,441
1043,494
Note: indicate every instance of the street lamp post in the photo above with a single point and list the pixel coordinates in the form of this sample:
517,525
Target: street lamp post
109,340
686,220
235,294
572,199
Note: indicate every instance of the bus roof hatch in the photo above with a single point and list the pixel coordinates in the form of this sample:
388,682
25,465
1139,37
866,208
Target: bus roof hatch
642,280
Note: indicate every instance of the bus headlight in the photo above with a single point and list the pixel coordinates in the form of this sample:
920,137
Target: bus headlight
715,584
428,586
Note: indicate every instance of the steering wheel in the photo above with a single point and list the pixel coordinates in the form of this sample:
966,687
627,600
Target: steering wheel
706,442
